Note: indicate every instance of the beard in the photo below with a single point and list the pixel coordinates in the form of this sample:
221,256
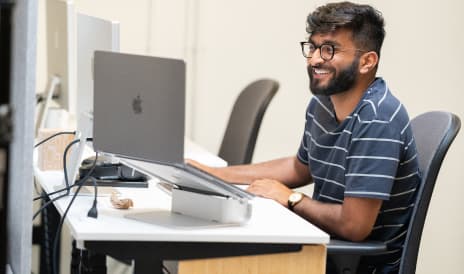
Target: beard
341,82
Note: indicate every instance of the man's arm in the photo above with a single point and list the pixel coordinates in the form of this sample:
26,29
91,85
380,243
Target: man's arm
288,170
353,220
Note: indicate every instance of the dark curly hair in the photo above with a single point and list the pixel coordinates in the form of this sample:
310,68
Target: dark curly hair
365,22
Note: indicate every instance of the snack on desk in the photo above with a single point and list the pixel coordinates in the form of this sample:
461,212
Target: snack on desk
120,203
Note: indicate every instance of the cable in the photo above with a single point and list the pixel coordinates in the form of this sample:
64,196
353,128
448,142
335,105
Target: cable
66,179
53,199
58,231
80,183
61,190
47,204
65,153
53,136
43,196
68,187
46,241
93,213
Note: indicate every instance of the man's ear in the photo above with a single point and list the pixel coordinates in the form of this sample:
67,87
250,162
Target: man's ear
368,62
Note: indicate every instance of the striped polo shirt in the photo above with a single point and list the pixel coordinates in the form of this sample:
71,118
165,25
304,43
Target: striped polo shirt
371,154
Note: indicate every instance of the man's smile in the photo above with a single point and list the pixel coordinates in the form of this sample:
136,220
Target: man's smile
319,73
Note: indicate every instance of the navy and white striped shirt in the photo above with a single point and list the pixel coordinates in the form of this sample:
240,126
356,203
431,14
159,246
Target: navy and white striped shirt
371,154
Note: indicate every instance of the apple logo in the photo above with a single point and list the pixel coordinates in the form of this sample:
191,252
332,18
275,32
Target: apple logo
137,104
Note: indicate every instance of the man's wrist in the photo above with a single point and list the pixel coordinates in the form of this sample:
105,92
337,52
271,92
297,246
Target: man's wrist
294,198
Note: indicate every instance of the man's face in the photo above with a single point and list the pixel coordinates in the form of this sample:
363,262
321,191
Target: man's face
328,77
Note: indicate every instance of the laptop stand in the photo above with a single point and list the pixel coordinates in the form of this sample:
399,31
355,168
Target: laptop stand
216,208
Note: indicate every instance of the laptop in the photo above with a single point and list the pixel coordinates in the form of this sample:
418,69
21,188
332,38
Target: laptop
139,114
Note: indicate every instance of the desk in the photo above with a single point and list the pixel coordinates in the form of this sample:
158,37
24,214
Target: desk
271,229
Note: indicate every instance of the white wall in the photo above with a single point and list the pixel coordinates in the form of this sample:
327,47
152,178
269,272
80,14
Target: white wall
227,44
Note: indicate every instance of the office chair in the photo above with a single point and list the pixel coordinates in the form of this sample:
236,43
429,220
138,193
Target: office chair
245,119
433,132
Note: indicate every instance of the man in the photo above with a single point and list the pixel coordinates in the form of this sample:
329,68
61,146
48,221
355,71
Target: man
357,146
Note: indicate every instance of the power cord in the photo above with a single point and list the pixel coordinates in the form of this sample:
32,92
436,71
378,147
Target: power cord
80,183
46,241
53,136
68,187
93,213
66,179
58,231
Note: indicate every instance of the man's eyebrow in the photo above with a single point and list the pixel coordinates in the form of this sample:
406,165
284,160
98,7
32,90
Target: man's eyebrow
326,42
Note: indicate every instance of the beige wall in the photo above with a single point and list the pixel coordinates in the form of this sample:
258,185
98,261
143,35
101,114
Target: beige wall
227,44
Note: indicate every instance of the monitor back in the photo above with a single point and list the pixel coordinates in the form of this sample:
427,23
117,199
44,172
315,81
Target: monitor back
61,50
93,34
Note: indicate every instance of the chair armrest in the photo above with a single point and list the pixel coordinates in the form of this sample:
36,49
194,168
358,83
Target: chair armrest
355,248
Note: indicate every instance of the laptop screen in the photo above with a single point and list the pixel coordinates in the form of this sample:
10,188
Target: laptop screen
139,107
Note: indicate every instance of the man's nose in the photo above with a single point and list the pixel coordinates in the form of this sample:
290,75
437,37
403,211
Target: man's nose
316,58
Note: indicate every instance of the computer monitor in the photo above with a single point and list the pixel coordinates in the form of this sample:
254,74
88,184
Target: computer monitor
61,51
93,34
61,60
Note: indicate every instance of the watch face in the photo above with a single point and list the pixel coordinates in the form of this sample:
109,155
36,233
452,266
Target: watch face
295,197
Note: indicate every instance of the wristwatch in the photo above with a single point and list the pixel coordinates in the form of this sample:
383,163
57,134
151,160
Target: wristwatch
294,199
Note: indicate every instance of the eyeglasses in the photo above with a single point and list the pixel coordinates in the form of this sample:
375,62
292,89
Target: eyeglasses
326,51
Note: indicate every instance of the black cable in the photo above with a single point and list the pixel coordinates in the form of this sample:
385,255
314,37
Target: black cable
61,190
93,212
80,183
68,187
58,231
43,196
66,181
47,204
46,241
65,170
53,136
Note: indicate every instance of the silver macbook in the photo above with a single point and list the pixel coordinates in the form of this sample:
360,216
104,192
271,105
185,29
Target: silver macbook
139,114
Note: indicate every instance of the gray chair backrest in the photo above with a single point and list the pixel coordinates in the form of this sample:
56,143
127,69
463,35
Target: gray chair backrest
245,119
433,132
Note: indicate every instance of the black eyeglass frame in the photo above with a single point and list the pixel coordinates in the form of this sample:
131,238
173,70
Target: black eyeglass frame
333,48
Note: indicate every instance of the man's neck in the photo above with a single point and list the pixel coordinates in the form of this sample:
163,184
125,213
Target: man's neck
344,103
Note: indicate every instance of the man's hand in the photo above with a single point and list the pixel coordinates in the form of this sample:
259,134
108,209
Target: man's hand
271,189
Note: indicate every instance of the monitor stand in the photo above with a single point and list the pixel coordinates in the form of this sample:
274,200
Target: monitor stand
53,84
